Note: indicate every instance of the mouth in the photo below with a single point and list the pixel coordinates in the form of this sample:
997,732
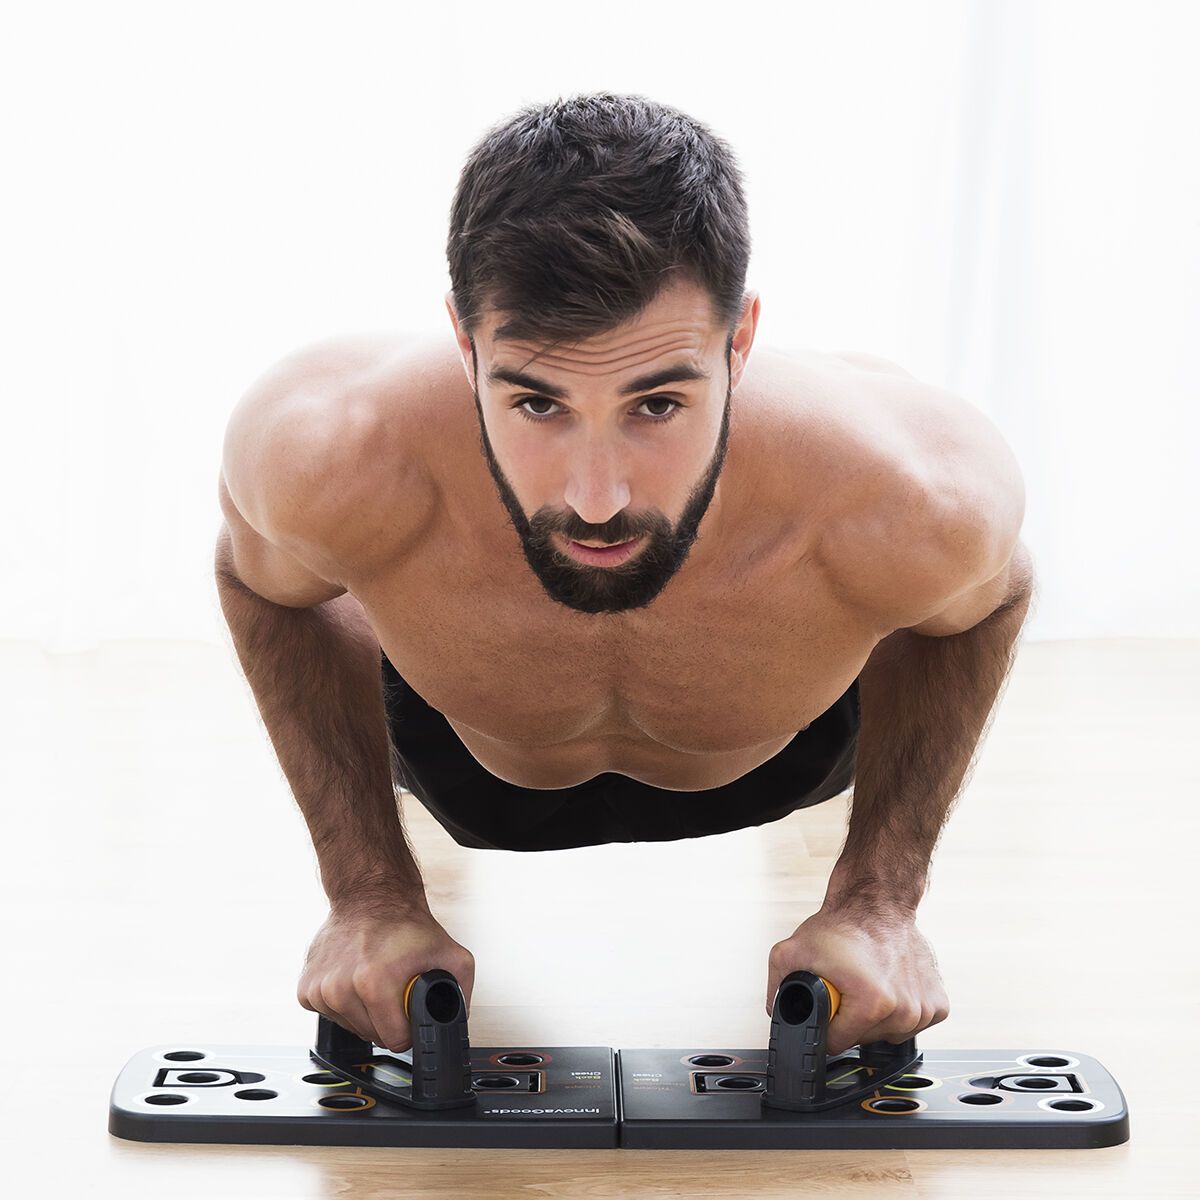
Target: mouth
602,556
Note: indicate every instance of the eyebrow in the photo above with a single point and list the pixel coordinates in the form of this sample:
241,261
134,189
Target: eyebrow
680,373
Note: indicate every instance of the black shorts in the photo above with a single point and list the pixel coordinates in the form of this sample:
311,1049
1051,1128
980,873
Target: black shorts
481,811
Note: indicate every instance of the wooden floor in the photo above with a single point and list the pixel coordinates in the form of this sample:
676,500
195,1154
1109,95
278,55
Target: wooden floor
160,886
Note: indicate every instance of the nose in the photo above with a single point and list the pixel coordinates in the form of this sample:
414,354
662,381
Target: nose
597,488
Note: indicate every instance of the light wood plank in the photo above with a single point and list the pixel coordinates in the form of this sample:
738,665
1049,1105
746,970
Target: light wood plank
160,885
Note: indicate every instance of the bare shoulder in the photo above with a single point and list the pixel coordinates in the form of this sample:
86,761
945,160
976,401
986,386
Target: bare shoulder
922,497
943,514
321,453
870,362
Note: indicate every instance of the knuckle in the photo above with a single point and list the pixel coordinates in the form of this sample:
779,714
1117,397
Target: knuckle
383,992
370,993
394,1034
371,988
880,1007
336,991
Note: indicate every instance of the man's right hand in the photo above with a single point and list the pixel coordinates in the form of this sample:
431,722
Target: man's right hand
361,961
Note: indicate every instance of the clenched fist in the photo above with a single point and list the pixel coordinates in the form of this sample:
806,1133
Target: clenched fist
361,961
885,970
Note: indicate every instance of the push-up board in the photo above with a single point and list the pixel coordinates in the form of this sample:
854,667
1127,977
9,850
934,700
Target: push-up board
950,1098
525,1096
792,1094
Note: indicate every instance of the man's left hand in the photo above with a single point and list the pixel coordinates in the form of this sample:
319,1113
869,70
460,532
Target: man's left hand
885,970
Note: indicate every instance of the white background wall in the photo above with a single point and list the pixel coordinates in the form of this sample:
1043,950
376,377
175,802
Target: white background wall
1002,197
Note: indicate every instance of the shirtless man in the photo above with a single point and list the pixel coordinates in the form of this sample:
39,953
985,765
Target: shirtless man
813,577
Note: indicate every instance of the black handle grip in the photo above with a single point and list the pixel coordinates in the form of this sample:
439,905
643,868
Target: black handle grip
441,1050
797,1053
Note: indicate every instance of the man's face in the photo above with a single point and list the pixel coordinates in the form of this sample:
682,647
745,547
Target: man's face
606,472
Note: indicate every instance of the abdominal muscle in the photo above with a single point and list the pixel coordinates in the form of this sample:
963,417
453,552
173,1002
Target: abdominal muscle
655,765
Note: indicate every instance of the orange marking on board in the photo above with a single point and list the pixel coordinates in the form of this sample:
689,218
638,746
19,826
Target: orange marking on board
835,997
407,991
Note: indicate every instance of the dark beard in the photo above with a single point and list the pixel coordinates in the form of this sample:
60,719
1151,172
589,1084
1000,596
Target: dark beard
633,584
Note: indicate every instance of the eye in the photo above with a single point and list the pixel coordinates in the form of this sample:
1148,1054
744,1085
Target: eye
663,416
533,400
659,418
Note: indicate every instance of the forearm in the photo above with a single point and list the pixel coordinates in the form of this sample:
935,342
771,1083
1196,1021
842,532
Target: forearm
924,703
315,675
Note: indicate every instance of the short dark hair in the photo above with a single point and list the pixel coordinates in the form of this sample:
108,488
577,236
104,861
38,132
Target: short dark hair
570,216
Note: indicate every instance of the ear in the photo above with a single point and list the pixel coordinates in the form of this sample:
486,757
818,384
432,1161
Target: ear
464,342
743,337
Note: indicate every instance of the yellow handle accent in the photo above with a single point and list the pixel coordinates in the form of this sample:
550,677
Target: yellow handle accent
835,997
407,990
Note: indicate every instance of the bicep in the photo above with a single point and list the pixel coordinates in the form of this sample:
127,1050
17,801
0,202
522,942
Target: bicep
265,568
933,565
1009,585
269,485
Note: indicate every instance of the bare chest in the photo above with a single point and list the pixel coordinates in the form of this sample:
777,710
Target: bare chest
746,645
711,680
